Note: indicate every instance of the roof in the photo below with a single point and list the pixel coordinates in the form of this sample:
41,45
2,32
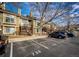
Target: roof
8,12
18,15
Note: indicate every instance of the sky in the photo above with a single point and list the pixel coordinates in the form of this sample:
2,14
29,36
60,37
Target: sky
74,11
25,10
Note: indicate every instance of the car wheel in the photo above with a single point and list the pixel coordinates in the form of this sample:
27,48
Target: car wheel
60,37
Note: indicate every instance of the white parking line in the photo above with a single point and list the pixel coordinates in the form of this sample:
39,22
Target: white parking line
36,52
41,45
39,51
11,50
33,54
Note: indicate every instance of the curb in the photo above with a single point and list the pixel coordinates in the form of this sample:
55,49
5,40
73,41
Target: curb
26,38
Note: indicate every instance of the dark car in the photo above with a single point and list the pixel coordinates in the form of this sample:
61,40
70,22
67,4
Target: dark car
3,43
69,34
57,34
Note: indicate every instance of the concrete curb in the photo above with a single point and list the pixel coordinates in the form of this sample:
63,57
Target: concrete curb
26,38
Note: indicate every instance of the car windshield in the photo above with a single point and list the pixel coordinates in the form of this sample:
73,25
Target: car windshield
62,33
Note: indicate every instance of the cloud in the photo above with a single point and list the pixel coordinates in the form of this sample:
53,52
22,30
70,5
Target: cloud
76,6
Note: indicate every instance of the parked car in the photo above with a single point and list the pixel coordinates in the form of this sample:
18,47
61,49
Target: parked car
3,43
57,34
69,34
61,34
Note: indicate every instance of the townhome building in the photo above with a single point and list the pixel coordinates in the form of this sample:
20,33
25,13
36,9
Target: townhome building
12,24
16,24
9,22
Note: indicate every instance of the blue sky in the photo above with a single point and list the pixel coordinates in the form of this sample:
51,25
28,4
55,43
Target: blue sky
25,10
74,11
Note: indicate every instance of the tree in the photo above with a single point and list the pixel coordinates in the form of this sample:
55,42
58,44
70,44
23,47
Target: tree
47,11
51,11
69,18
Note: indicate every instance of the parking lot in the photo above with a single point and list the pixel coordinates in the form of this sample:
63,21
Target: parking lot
45,47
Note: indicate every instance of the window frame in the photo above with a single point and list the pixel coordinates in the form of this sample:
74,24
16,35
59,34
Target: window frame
11,20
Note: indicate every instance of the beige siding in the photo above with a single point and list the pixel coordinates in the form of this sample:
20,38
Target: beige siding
1,20
1,17
12,25
18,21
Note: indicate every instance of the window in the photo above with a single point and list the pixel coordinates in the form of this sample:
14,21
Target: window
12,20
9,20
9,30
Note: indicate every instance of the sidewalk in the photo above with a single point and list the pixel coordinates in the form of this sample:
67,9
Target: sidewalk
26,38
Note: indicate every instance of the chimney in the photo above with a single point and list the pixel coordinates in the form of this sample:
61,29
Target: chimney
31,14
19,11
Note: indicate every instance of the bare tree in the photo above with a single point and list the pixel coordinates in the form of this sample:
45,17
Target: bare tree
48,11
51,11
69,20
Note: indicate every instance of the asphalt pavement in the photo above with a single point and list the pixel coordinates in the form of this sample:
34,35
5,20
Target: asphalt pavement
44,47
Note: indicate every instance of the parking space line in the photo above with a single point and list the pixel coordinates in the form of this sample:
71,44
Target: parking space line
56,41
41,45
33,54
44,41
64,42
11,50
36,52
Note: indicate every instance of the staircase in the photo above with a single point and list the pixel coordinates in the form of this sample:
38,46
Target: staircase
24,30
